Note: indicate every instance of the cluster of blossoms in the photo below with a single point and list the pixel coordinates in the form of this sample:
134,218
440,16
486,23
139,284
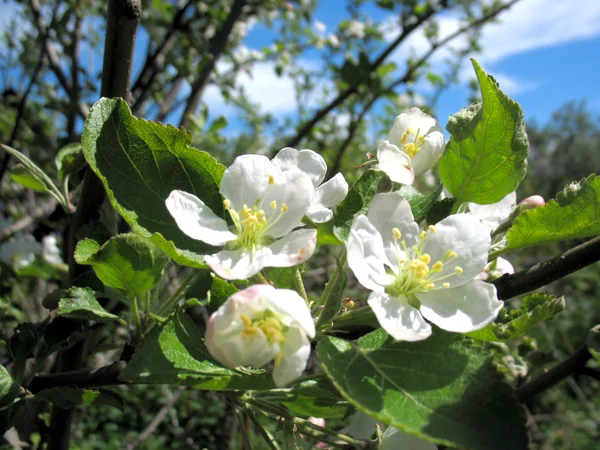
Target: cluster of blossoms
416,276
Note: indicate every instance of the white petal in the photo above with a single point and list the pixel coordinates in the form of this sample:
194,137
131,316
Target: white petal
238,264
415,119
296,350
366,255
398,318
492,215
292,249
197,220
461,309
319,213
431,151
388,211
395,439
463,234
307,161
326,196
293,309
395,163
295,189
247,180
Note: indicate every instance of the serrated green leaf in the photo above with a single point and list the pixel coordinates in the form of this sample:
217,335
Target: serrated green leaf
139,164
420,204
486,157
81,303
282,277
69,160
317,398
127,262
220,291
9,388
572,216
23,176
356,202
333,295
535,308
174,353
67,397
441,389
37,173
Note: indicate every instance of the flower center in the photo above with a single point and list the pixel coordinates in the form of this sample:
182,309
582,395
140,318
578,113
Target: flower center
252,223
268,324
415,271
411,142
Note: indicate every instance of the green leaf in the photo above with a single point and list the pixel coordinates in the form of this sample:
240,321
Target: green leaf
333,294
317,398
37,173
486,157
282,277
220,291
535,308
325,234
80,303
23,176
356,202
574,214
593,342
9,388
66,397
440,210
441,389
139,164
128,262
69,160
420,204
174,353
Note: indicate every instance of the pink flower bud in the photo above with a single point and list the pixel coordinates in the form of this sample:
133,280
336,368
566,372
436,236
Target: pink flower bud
532,202
317,421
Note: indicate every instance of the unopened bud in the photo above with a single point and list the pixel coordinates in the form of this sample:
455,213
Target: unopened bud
532,202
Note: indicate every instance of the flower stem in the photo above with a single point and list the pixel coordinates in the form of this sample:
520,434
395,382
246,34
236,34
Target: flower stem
133,303
300,283
172,301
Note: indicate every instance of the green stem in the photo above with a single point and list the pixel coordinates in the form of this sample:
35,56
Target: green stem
172,301
263,278
300,283
136,313
333,279
493,255
260,429
455,207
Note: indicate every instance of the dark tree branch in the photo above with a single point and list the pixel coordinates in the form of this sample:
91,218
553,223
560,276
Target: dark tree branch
509,286
572,365
75,91
84,378
216,48
167,105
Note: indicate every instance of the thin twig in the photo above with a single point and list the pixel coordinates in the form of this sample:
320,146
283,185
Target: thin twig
83,378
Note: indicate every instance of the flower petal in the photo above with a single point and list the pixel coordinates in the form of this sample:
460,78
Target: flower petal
366,255
296,350
461,309
197,220
326,196
395,163
463,234
492,215
309,162
398,318
292,249
431,151
238,264
415,119
388,211
292,309
394,439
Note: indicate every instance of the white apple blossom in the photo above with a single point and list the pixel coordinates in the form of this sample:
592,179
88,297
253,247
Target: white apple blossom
355,29
266,204
261,324
496,269
417,275
413,146
320,27
50,251
326,195
395,439
333,40
493,215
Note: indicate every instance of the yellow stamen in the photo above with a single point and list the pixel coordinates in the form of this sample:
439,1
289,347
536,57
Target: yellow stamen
260,213
458,270
234,215
404,137
284,207
432,228
446,285
430,286
410,149
396,233
350,304
273,204
277,359
425,258
252,331
226,203
263,220
246,319
422,235
452,255
271,179
437,266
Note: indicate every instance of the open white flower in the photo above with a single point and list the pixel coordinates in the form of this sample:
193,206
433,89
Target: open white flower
493,215
413,146
262,324
326,195
421,275
265,204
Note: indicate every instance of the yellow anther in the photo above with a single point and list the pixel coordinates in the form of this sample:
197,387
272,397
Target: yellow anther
234,215
246,319
350,304
252,331
430,286
277,359
284,207
404,138
452,255
271,179
396,233
226,203
425,258
446,285
250,220
432,228
410,149
263,220
411,130
421,138
273,204
458,270
437,266
422,235
260,213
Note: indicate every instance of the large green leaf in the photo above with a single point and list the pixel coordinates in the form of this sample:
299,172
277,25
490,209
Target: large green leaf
420,204
486,157
9,388
356,202
174,353
80,303
140,163
220,291
440,389
317,398
574,214
535,308
127,262
69,160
